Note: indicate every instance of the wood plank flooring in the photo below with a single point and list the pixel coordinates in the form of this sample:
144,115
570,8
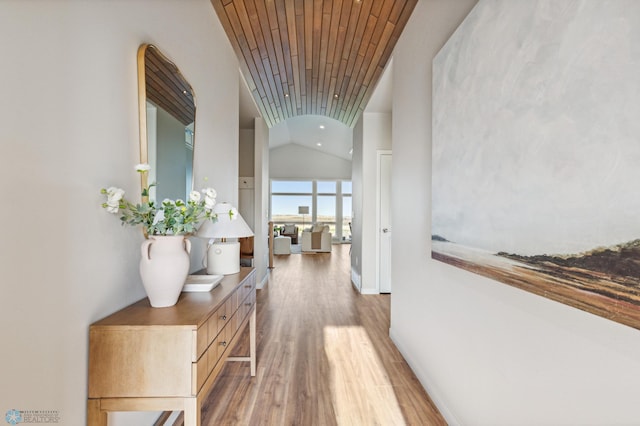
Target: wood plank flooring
324,356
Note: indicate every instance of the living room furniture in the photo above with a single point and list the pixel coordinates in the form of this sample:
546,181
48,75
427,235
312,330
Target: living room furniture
282,245
167,359
246,251
317,239
290,231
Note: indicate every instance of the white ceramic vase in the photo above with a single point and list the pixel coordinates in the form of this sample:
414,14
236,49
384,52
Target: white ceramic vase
164,268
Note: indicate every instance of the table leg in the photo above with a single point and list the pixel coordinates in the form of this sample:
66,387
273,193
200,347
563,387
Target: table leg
252,341
95,416
192,412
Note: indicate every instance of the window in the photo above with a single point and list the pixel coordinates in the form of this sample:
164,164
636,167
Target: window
286,197
326,211
284,208
326,187
329,202
291,187
347,208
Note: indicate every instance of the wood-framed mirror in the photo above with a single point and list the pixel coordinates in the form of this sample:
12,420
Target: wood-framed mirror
167,111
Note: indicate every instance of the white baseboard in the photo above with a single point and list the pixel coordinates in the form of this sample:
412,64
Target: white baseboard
355,279
424,380
263,282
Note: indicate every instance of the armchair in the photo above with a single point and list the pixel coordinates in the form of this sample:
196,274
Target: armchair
290,231
318,239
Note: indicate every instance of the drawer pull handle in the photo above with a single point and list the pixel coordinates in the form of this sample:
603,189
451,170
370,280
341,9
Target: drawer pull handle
223,344
248,303
223,318
248,286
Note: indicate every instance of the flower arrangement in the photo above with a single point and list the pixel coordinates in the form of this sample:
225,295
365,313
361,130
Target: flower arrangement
171,217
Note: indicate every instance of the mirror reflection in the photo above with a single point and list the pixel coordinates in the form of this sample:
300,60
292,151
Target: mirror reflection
167,124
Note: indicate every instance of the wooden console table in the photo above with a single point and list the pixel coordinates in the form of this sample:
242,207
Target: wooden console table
167,359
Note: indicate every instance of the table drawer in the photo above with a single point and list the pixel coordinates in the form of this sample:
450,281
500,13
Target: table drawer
247,287
218,320
129,361
212,326
224,340
202,340
201,371
214,352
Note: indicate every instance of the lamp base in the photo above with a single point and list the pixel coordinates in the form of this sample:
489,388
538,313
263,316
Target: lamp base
223,258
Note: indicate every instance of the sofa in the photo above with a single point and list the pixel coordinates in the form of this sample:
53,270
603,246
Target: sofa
290,231
317,239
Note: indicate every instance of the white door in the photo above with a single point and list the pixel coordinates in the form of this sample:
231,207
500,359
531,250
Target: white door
384,214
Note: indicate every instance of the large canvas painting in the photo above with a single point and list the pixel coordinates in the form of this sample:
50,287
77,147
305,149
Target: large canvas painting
536,151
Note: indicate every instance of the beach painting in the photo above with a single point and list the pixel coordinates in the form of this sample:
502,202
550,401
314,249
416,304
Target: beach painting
536,154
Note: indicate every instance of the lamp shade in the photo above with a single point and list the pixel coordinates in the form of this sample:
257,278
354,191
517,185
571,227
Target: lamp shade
230,224
223,257
303,209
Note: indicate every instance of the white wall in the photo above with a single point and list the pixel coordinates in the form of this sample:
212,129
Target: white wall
296,161
357,188
488,354
246,197
247,152
69,124
261,243
376,135
371,133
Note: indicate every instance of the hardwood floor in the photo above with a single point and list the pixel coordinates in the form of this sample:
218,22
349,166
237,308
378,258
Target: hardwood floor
324,356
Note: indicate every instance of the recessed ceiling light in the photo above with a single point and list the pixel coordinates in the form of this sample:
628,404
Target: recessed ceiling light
319,144
322,126
286,95
336,96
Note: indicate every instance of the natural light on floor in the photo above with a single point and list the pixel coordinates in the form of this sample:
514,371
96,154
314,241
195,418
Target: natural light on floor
360,388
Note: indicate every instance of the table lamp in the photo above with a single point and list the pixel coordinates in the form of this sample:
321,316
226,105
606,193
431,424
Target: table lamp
223,257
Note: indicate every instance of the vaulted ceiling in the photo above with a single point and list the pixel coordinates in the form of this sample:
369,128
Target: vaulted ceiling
319,57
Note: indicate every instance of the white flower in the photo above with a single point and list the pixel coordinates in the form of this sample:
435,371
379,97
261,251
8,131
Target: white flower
171,217
209,203
210,195
210,192
194,196
112,206
159,217
114,194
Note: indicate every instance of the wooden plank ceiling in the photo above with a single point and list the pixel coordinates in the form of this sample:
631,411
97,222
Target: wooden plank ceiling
321,57
166,87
